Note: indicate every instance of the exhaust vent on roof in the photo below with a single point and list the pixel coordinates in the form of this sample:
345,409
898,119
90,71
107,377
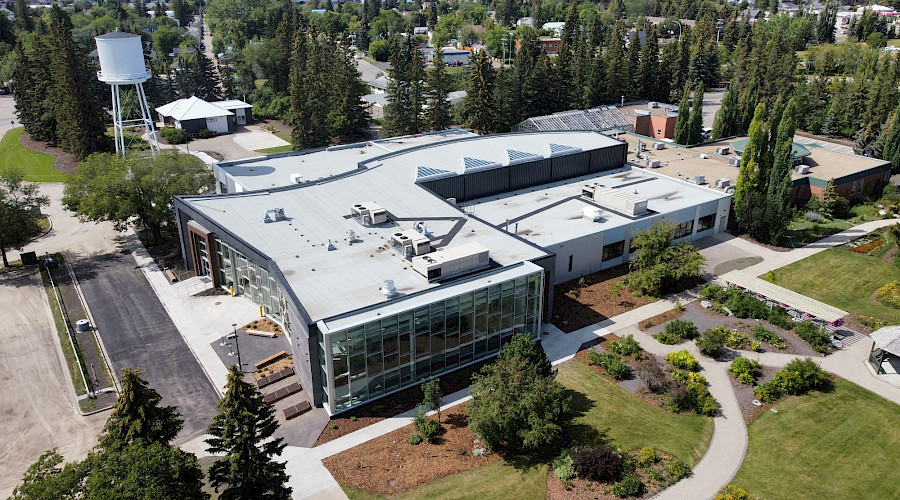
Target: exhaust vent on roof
388,289
273,215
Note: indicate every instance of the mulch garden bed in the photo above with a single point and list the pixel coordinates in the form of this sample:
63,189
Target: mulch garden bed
745,397
582,489
264,325
65,162
389,465
659,319
577,305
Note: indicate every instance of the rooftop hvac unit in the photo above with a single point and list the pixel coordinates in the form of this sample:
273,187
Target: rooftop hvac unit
723,183
616,199
699,179
592,214
653,105
703,156
452,261
409,243
297,179
273,215
723,150
734,162
802,169
654,163
659,145
368,213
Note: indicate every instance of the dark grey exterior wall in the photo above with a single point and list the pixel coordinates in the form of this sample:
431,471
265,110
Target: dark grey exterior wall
193,126
568,166
529,174
608,158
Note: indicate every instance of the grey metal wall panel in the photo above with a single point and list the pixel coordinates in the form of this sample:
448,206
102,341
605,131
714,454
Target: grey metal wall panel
568,166
487,183
609,158
451,187
526,175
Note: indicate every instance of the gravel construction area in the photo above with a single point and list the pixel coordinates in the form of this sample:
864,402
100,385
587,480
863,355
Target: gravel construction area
389,465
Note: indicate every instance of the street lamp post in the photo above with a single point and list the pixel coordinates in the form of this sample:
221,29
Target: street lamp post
237,345
679,28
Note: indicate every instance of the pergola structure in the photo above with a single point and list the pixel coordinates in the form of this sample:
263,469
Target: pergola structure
800,307
886,342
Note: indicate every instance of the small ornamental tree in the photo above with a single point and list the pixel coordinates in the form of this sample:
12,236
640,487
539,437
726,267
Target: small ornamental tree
18,220
243,432
432,395
517,402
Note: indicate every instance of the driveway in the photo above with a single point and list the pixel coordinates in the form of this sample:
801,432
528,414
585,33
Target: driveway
7,113
712,101
138,332
36,397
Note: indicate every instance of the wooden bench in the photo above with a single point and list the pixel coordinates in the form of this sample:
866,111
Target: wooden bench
170,275
274,397
297,410
271,359
259,333
275,377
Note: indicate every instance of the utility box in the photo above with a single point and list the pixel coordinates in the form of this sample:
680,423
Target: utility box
28,258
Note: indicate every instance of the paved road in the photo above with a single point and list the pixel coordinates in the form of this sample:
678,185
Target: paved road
7,113
138,332
37,403
712,101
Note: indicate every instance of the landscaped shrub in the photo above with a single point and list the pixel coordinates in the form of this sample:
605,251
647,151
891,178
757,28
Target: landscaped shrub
682,329
683,360
653,375
761,333
693,396
677,470
768,392
667,339
734,493
599,463
173,135
625,346
563,467
612,363
205,133
712,292
647,457
686,377
745,370
629,486
712,341
415,439
815,336
736,340
745,306
808,376
430,430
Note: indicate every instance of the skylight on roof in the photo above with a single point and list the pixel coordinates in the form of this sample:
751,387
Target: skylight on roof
521,156
429,173
562,149
471,164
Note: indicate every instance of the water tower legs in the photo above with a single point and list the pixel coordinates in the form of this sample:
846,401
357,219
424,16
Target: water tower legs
145,121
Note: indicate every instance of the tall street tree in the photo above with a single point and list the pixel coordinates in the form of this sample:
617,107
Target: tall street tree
696,124
479,104
438,113
683,121
749,186
33,90
19,205
138,415
406,89
243,433
778,193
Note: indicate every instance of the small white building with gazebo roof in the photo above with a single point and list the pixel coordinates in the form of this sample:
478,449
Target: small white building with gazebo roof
885,354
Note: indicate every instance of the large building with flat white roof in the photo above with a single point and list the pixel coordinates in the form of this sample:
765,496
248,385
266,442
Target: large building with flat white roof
392,261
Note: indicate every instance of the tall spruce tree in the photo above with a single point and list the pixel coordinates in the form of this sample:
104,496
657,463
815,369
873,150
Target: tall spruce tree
80,119
438,112
648,72
479,104
22,11
207,84
243,431
726,123
33,90
778,193
747,187
406,89
308,109
138,415
683,121
696,124
617,79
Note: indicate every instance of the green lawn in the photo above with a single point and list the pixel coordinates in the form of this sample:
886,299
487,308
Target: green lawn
628,421
842,279
498,481
37,167
842,444
276,149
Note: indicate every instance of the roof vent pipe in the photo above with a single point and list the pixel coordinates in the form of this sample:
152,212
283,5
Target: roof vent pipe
388,289
331,246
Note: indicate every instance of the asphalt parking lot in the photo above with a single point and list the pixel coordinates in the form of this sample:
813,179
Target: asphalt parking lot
138,332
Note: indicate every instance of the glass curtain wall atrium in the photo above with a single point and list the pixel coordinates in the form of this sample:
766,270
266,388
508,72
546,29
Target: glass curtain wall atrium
250,280
400,350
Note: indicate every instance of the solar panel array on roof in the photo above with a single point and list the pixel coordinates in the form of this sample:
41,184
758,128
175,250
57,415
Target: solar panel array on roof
428,173
600,118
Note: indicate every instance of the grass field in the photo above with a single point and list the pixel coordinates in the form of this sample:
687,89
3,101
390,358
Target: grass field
842,444
628,421
498,481
37,167
842,279
71,361
276,149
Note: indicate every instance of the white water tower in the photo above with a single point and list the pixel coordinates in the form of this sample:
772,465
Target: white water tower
122,63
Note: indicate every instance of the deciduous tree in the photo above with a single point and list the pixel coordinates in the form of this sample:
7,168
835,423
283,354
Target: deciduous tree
19,202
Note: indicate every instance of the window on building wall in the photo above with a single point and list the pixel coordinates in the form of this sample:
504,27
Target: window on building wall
706,222
683,229
659,132
571,257
613,250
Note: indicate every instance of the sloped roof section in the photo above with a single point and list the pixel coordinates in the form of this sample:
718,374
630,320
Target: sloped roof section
888,339
193,108
562,149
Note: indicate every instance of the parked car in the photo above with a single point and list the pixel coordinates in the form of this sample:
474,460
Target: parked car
4,90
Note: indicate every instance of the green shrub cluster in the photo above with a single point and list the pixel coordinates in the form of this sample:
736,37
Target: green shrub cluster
765,335
647,457
736,340
743,305
677,470
712,341
625,346
612,363
734,493
683,360
427,429
563,467
173,135
746,371
688,377
815,336
416,438
693,396
629,486
676,331
205,133
797,377
600,463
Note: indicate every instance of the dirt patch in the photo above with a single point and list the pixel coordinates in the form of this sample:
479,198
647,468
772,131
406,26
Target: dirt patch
263,325
582,302
736,264
582,489
65,162
659,319
393,404
745,397
389,465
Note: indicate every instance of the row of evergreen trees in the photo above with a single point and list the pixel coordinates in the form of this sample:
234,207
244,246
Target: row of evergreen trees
135,457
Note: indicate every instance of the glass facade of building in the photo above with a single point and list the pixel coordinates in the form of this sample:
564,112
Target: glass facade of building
400,350
250,280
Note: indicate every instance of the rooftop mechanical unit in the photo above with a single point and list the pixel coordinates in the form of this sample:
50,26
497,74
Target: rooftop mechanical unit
659,145
297,179
616,199
654,163
699,179
802,169
723,183
452,261
409,243
734,162
273,215
592,214
368,213
723,150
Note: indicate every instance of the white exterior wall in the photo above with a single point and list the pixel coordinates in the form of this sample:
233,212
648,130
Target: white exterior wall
218,124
